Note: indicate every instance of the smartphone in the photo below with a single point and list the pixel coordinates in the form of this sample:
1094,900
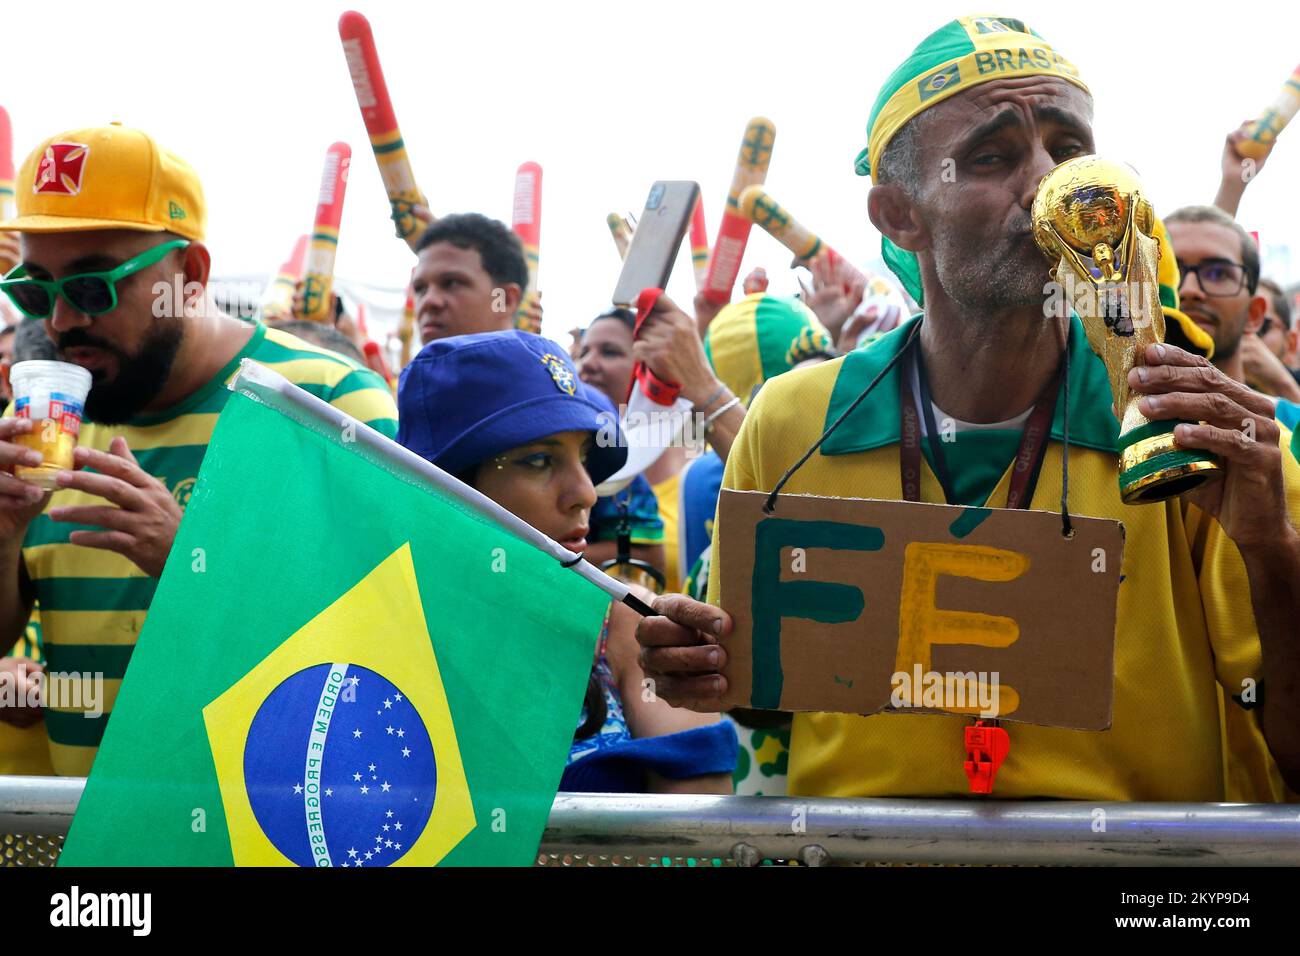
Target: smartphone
659,234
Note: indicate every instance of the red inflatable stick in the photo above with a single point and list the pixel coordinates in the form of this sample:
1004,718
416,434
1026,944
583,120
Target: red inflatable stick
527,224
381,125
319,279
699,246
733,233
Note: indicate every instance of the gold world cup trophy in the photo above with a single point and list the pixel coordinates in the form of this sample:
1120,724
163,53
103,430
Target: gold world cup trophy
1095,227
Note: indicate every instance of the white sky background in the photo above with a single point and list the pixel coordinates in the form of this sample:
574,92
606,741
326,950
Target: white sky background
609,97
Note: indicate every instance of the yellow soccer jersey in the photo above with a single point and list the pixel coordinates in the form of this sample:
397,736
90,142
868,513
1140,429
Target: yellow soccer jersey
668,494
1251,774
1171,652
93,602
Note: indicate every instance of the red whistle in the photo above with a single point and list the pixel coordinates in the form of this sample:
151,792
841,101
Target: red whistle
987,746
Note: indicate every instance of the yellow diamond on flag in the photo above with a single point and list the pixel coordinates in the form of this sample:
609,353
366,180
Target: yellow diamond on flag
339,749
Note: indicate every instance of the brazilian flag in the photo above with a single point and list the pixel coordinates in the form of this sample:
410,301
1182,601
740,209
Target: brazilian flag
350,660
938,81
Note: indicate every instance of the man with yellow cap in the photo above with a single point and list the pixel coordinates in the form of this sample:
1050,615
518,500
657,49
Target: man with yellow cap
959,139
114,265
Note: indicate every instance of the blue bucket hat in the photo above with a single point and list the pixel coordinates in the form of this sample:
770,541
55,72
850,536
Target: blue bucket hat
468,398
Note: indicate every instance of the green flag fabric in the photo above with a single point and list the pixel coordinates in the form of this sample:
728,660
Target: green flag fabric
348,662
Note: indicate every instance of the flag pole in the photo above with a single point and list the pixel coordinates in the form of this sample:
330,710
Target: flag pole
260,383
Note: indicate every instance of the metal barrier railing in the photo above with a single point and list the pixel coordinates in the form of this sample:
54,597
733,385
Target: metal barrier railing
640,829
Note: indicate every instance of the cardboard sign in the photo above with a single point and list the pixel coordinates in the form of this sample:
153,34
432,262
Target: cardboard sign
857,606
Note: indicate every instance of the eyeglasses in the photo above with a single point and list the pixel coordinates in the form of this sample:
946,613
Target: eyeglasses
1217,277
92,293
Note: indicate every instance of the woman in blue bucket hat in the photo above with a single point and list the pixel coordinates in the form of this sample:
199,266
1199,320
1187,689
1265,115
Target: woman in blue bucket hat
506,413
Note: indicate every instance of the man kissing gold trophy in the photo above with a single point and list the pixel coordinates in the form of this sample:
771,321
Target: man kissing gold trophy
1092,221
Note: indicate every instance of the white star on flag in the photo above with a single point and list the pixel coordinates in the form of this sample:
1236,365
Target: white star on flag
385,787
406,751
388,705
364,788
357,732
297,788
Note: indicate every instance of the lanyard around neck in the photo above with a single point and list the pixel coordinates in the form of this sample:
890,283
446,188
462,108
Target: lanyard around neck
1029,456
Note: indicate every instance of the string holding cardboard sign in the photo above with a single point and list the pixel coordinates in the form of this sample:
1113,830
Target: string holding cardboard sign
769,506
1033,441
1067,530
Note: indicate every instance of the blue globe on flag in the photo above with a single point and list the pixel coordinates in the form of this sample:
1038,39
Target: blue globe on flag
339,768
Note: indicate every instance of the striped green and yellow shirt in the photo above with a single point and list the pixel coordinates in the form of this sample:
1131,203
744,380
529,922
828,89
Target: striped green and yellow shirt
26,750
93,602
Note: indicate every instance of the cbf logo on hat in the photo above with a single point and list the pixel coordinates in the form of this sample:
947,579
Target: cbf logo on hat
561,374
466,399
107,177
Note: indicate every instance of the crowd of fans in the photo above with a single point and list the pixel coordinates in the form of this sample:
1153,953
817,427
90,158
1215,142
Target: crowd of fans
1211,583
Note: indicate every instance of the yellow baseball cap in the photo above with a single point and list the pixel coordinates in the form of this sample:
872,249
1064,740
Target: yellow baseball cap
107,177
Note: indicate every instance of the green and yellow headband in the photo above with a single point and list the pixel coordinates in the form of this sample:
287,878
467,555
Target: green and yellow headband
959,55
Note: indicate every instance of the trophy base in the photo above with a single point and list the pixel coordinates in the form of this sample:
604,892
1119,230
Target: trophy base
1153,467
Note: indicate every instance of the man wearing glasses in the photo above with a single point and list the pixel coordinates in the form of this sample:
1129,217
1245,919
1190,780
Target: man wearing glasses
1218,262
114,265
1221,289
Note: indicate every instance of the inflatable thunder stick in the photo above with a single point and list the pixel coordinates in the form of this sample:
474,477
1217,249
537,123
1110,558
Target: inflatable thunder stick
6,166
621,231
764,211
406,325
699,246
372,350
319,279
381,125
733,232
1261,133
277,301
527,224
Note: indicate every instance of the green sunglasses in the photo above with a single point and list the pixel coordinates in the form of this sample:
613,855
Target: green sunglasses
92,293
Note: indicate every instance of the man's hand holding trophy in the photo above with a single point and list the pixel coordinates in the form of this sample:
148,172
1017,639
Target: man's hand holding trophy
1096,228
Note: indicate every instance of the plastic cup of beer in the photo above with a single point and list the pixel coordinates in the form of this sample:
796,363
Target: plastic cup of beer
52,395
